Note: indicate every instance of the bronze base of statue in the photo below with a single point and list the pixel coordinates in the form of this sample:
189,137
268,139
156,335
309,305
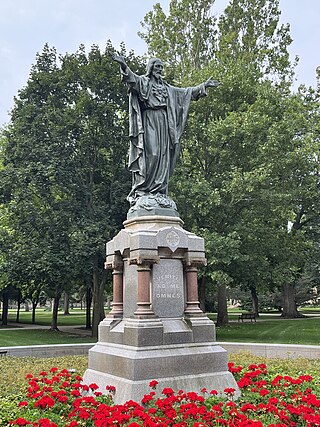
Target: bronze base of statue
153,204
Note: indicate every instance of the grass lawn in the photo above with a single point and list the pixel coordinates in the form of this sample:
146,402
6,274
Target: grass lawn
40,336
76,317
268,330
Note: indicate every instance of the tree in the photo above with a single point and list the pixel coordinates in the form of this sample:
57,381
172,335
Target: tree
237,184
188,35
65,171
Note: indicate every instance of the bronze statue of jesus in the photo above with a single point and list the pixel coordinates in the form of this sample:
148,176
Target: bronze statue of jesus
157,117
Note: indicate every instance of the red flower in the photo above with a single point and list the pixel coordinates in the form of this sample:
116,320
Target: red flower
229,390
20,422
153,384
44,402
94,386
45,422
146,398
63,399
23,403
168,391
252,367
214,392
234,369
276,380
244,382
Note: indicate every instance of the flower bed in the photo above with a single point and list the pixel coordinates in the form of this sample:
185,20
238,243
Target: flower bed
58,398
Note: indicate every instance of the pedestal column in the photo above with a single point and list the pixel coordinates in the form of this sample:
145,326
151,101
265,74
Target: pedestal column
144,282
192,306
117,304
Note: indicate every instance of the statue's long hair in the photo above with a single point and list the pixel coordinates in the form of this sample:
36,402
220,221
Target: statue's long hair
150,65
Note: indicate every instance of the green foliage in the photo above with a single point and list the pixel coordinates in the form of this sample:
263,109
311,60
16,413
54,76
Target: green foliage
182,44
249,162
65,178
9,409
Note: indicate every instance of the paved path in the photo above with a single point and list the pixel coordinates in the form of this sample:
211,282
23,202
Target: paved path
284,351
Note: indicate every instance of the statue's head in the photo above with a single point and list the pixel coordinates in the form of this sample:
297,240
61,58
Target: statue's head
154,63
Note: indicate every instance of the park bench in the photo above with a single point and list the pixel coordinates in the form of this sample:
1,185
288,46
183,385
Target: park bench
3,353
244,316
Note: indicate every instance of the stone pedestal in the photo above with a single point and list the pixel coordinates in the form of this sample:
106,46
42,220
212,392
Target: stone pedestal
156,329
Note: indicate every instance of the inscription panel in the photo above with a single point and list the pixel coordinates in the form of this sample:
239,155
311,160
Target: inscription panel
168,288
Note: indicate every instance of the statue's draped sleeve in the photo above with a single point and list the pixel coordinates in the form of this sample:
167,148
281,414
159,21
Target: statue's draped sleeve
138,89
178,108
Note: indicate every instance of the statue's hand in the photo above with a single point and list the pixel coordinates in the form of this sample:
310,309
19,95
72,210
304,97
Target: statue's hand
212,83
118,58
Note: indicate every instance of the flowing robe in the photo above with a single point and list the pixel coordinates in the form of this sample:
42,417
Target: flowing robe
157,118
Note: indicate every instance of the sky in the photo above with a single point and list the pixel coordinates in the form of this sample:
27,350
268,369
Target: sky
26,25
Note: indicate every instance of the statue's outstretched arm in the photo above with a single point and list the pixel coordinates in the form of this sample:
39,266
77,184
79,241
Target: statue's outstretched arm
211,83
200,90
121,61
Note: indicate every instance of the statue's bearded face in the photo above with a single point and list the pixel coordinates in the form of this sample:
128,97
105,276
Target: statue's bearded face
157,69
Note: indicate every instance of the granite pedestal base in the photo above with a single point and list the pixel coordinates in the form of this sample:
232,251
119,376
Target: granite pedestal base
156,330
130,369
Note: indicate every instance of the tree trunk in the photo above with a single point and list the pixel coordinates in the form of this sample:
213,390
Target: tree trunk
66,304
18,307
35,302
255,301
26,306
222,318
34,306
5,307
95,303
88,306
289,306
54,319
98,279
202,293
